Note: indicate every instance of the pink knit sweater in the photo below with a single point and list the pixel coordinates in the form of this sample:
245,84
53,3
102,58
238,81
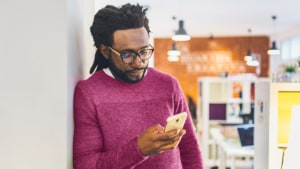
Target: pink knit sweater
109,115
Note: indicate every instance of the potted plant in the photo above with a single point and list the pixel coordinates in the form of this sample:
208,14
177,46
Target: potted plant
290,69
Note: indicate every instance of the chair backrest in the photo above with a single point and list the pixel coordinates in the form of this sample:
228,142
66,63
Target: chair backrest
246,134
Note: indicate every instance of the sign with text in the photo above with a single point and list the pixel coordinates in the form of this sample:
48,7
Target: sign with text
212,62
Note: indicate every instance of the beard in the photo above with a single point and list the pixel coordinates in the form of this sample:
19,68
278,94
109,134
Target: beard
123,75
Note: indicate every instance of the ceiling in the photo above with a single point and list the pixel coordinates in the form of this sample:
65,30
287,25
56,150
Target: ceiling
203,18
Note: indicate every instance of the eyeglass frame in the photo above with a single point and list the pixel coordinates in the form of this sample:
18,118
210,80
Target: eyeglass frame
137,53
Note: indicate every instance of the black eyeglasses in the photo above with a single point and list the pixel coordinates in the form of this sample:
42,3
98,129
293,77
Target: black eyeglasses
128,56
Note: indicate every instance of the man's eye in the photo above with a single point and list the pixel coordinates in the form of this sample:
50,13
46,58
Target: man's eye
143,52
126,55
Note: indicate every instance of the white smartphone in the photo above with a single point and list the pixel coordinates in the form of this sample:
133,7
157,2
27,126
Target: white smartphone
176,122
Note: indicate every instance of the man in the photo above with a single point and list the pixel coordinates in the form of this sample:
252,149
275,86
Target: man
121,110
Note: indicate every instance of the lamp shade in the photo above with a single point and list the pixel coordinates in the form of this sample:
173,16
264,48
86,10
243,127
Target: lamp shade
173,53
173,58
180,34
254,61
248,56
274,50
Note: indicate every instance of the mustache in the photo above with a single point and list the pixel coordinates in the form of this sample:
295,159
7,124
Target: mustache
142,68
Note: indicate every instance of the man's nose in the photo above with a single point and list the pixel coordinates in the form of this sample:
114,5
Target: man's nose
137,62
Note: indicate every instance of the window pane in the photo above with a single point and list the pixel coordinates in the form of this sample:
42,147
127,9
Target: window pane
285,49
295,48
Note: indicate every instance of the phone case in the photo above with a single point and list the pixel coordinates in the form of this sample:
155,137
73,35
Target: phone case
176,122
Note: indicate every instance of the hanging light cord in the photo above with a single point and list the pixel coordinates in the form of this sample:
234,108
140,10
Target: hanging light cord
274,17
180,10
249,31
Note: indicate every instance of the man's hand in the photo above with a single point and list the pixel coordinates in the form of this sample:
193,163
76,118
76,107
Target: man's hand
154,140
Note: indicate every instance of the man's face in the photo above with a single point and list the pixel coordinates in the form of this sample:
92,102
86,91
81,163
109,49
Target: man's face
129,40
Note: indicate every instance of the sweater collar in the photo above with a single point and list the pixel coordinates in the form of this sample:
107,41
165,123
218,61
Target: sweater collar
108,72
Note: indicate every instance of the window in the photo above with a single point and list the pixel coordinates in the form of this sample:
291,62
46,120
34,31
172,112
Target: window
290,48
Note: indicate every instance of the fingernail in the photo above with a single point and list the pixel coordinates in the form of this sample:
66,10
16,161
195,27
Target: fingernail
158,132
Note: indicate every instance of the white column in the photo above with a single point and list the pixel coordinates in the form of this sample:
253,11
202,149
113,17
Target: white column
41,56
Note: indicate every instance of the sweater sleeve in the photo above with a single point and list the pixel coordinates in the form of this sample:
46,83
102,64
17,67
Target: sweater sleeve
88,149
190,152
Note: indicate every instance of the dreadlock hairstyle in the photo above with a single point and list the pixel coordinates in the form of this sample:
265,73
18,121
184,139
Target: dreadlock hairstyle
109,19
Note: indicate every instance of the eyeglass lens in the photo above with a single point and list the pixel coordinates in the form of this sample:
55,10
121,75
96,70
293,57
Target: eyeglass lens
130,56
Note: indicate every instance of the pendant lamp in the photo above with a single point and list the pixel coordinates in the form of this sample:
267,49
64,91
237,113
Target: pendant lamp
173,53
253,62
273,49
180,34
248,56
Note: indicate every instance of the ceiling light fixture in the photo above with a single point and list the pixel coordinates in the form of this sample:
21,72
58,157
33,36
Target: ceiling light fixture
253,62
180,34
173,53
248,56
274,50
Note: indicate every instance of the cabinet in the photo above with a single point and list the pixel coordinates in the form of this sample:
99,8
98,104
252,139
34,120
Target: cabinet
223,100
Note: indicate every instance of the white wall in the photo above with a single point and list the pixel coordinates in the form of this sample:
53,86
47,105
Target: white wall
292,32
80,56
41,50
261,115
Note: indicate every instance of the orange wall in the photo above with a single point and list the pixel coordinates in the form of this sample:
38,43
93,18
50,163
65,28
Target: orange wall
208,57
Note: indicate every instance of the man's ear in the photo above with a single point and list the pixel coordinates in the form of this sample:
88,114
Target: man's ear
104,51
